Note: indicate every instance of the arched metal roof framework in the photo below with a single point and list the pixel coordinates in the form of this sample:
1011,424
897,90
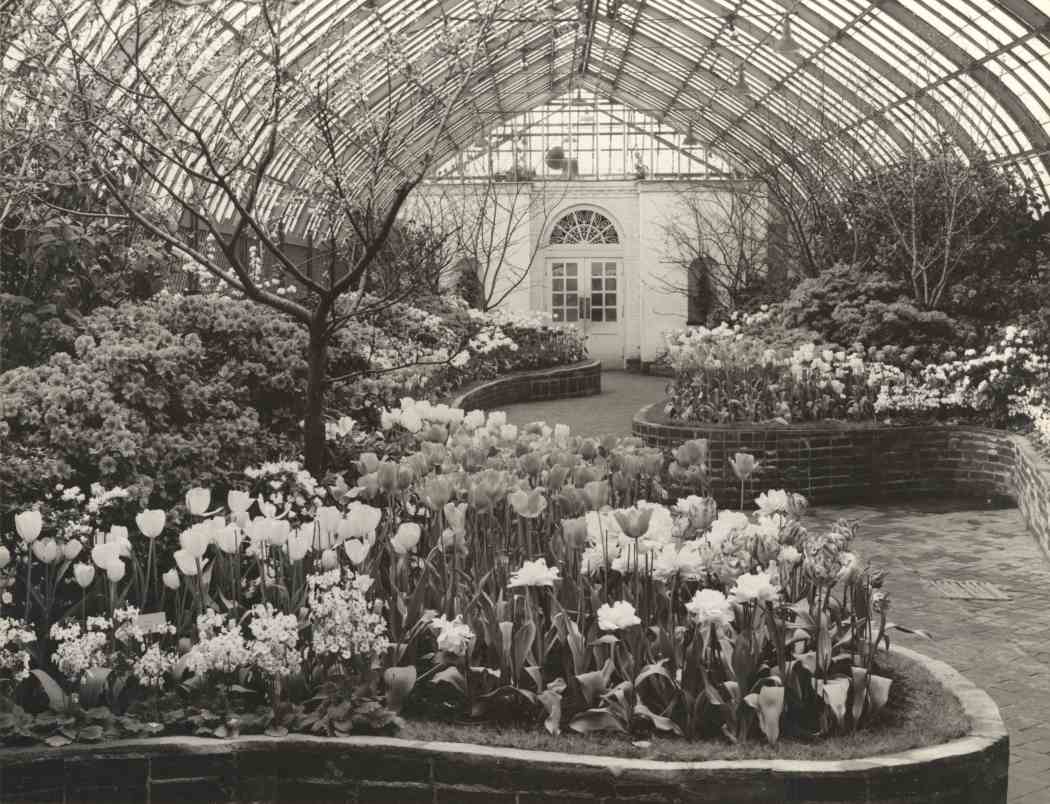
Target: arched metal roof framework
869,78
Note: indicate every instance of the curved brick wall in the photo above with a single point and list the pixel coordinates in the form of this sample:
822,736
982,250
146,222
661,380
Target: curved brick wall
837,462
368,770
577,379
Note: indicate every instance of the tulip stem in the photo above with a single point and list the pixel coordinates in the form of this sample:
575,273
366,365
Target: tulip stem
29,578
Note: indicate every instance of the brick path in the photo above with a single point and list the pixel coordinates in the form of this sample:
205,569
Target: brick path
1003,646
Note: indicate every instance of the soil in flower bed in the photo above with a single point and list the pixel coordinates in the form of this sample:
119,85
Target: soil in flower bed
920,712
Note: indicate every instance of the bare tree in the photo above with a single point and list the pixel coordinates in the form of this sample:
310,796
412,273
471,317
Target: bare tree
184,114
501,223
718,236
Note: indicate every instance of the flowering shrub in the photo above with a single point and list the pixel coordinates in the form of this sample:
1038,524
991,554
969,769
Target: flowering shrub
155,397
727,374
473,569
1004,382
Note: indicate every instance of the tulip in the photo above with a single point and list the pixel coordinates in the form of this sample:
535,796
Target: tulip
115,571
634,522
329,559
151,522
105,554
278,531
328,519
71,549
84,575
198,500
186,561
575,532
692,453
46,550
437,491
195,541
118,534
356,551
299,544
744,465
171,578
527,504
387,476
406,538
238,501
228,539
596,493
29,524
5,556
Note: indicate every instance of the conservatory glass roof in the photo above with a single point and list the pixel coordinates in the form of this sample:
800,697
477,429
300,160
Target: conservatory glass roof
750,83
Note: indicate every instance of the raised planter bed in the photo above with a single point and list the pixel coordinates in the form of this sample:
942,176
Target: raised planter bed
969,770
838,462
577,379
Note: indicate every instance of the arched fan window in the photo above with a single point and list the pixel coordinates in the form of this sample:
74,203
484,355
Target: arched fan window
584,227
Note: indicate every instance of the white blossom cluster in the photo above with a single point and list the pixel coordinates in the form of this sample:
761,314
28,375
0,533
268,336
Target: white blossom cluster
80,649
220,648
101,497
344,624
14,658
272,649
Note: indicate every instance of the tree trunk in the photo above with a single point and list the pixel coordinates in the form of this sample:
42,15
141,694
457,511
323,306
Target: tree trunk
314,452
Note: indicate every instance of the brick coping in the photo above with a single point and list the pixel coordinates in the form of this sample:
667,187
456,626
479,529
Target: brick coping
581,367
987,730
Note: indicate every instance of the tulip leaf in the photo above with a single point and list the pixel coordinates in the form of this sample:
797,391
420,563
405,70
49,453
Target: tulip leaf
654,669
660,723
551,701
879,691
591,685
768,702
399,684
595,720
451,675
56,697
834,693
524,637
92,686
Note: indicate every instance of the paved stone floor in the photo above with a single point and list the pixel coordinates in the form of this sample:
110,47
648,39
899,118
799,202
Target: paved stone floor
1001,645
610,411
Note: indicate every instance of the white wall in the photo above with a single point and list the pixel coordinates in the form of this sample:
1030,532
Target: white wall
641,211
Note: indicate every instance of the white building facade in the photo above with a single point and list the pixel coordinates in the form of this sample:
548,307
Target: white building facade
597,254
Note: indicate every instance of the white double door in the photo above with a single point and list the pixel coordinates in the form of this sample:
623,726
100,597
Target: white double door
589,293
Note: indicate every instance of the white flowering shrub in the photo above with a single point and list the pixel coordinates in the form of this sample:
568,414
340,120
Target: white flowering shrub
343,623
14,658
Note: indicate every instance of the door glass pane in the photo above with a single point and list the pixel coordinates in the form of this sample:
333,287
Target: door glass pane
596,283
557,269
610,299
558,299
571,314
596,314
570,283
596,300
610,283
556,284
610,314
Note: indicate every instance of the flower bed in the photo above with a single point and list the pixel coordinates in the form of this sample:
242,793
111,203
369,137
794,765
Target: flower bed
837,462
476,571
578,379
972,768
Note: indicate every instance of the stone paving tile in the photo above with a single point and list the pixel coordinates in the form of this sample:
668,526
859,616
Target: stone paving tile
1001,645
610,411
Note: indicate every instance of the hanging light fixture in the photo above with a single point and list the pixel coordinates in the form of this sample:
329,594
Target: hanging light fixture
691,140
786,43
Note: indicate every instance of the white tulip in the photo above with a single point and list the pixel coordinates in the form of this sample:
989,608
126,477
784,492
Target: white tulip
151,522
5,556
197,500
171,578
115,572
71,549
29,524
84,574
186,562
238,501
355,551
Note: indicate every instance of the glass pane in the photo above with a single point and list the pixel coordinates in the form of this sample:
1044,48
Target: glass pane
596,314
610,268
556,314
570,268
571,315
610,299
571,300
570,283
558,299
596,300
596,283
557,269
610,314
610,283
557,284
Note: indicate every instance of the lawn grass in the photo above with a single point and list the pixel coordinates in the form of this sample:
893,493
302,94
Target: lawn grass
920,712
